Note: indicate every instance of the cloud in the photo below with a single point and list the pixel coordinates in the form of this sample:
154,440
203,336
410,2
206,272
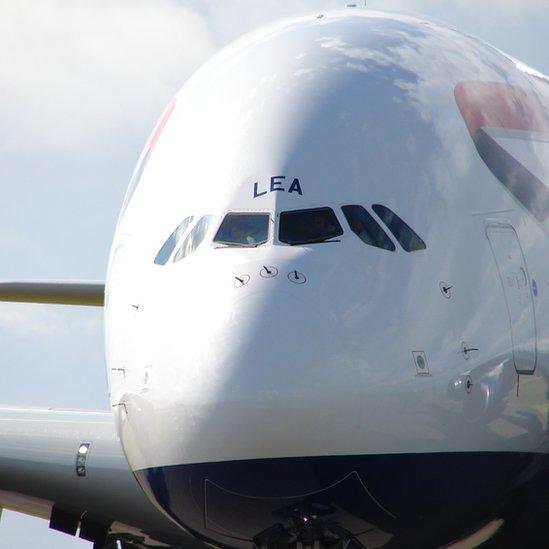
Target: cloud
76,74
28,320
229,20
86,74
487,13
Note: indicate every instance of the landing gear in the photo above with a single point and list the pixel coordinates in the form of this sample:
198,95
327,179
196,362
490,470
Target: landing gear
121,543
306,526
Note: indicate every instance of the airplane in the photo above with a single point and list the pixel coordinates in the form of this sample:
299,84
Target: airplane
326,307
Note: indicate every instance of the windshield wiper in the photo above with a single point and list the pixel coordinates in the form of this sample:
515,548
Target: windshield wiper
326,240
237,245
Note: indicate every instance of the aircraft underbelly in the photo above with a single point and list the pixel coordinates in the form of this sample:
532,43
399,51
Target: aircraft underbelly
373,499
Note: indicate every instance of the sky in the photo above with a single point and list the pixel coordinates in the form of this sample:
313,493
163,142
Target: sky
82,83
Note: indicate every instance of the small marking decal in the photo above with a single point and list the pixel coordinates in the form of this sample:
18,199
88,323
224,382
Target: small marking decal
420,361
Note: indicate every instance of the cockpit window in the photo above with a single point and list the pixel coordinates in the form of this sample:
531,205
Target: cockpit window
243,229
367,228
406,237
308,226
194,238
169,246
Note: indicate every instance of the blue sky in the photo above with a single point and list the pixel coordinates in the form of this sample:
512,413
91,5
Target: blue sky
81,84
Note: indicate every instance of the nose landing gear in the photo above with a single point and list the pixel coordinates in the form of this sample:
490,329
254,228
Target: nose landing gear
306,526
340,515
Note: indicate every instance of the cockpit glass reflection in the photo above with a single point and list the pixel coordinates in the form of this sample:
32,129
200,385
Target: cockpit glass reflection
242,229
367,228
169,246
405,235
308,226
194,238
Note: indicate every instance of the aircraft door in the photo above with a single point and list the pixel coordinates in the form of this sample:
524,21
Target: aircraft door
516,284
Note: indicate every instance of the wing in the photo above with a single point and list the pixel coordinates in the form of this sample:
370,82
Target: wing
67,466
62,292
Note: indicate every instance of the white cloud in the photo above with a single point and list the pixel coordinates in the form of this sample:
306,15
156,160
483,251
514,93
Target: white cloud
74,74
80,74
231,19
486,12
27,320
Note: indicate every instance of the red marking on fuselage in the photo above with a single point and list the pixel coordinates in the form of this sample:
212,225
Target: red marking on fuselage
497,105
161,124
487,106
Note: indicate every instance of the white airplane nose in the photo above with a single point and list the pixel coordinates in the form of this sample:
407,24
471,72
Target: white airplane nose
283,332
268,385
264,392
247,374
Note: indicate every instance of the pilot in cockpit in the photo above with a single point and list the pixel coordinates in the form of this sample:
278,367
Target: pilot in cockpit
243,229
238,232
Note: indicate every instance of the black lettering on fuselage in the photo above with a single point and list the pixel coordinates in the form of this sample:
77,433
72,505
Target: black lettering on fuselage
295,187
276,183
256,194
